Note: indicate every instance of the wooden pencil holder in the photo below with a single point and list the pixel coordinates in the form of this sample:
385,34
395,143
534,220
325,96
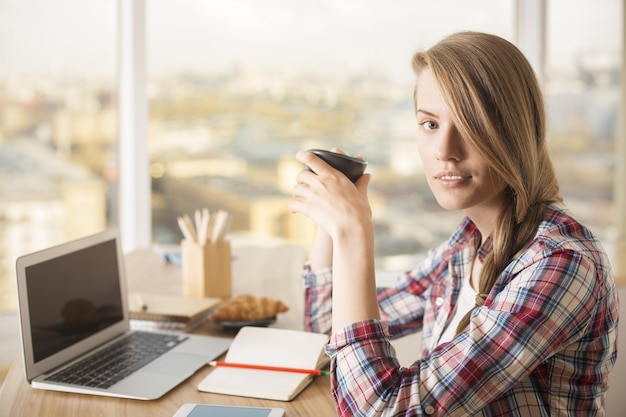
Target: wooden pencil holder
206,269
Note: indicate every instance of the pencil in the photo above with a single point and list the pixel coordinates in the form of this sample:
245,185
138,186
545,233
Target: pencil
185,229
190,228
270,368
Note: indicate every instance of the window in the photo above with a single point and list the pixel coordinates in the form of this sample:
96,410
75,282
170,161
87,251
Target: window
58,124
582,91
237,87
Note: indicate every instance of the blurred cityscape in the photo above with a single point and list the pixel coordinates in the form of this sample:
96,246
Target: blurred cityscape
227,141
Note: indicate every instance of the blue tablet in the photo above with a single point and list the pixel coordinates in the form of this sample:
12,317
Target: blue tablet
211,410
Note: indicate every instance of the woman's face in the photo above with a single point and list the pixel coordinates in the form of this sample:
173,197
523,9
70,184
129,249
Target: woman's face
458,176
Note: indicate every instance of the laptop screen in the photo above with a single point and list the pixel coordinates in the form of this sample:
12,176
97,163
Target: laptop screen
72,297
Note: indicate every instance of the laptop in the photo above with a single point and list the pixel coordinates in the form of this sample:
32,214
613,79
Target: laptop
73,305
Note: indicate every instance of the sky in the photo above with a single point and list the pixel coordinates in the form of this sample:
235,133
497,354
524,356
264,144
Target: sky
316,36
322,36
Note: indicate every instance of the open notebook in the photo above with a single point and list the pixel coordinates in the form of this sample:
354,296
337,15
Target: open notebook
73,305
274,347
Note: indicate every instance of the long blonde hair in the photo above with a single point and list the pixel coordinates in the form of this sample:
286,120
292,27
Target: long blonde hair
497,106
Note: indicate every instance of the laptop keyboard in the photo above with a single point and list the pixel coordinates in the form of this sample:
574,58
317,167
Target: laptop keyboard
117,361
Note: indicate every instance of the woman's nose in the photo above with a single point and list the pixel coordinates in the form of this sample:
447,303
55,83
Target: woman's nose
450,146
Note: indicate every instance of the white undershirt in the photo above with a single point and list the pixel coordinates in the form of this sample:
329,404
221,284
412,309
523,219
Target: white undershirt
466,301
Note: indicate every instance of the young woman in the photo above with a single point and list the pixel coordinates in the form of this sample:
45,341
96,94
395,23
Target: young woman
518,308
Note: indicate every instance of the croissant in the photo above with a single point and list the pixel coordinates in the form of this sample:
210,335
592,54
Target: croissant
248,307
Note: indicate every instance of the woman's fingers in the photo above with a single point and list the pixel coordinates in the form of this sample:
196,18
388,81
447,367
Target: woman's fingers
328,197
313,162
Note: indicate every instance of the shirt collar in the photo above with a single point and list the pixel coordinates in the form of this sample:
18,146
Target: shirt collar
485,249
468,234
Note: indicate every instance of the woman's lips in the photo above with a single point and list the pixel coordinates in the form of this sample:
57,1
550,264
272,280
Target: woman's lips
452,178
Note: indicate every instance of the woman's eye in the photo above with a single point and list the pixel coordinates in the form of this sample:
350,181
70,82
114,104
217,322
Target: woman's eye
429,124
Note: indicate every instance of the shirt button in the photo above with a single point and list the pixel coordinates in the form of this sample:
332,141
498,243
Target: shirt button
429,409
439,301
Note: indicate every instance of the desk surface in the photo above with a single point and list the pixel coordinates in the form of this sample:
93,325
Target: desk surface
253,271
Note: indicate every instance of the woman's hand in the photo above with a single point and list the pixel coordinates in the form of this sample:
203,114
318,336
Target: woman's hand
346,240
328,197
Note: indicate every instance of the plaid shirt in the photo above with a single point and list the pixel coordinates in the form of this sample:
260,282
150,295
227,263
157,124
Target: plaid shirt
542,345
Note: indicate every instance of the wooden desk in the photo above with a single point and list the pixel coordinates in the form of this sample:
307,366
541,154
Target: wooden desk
254,270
